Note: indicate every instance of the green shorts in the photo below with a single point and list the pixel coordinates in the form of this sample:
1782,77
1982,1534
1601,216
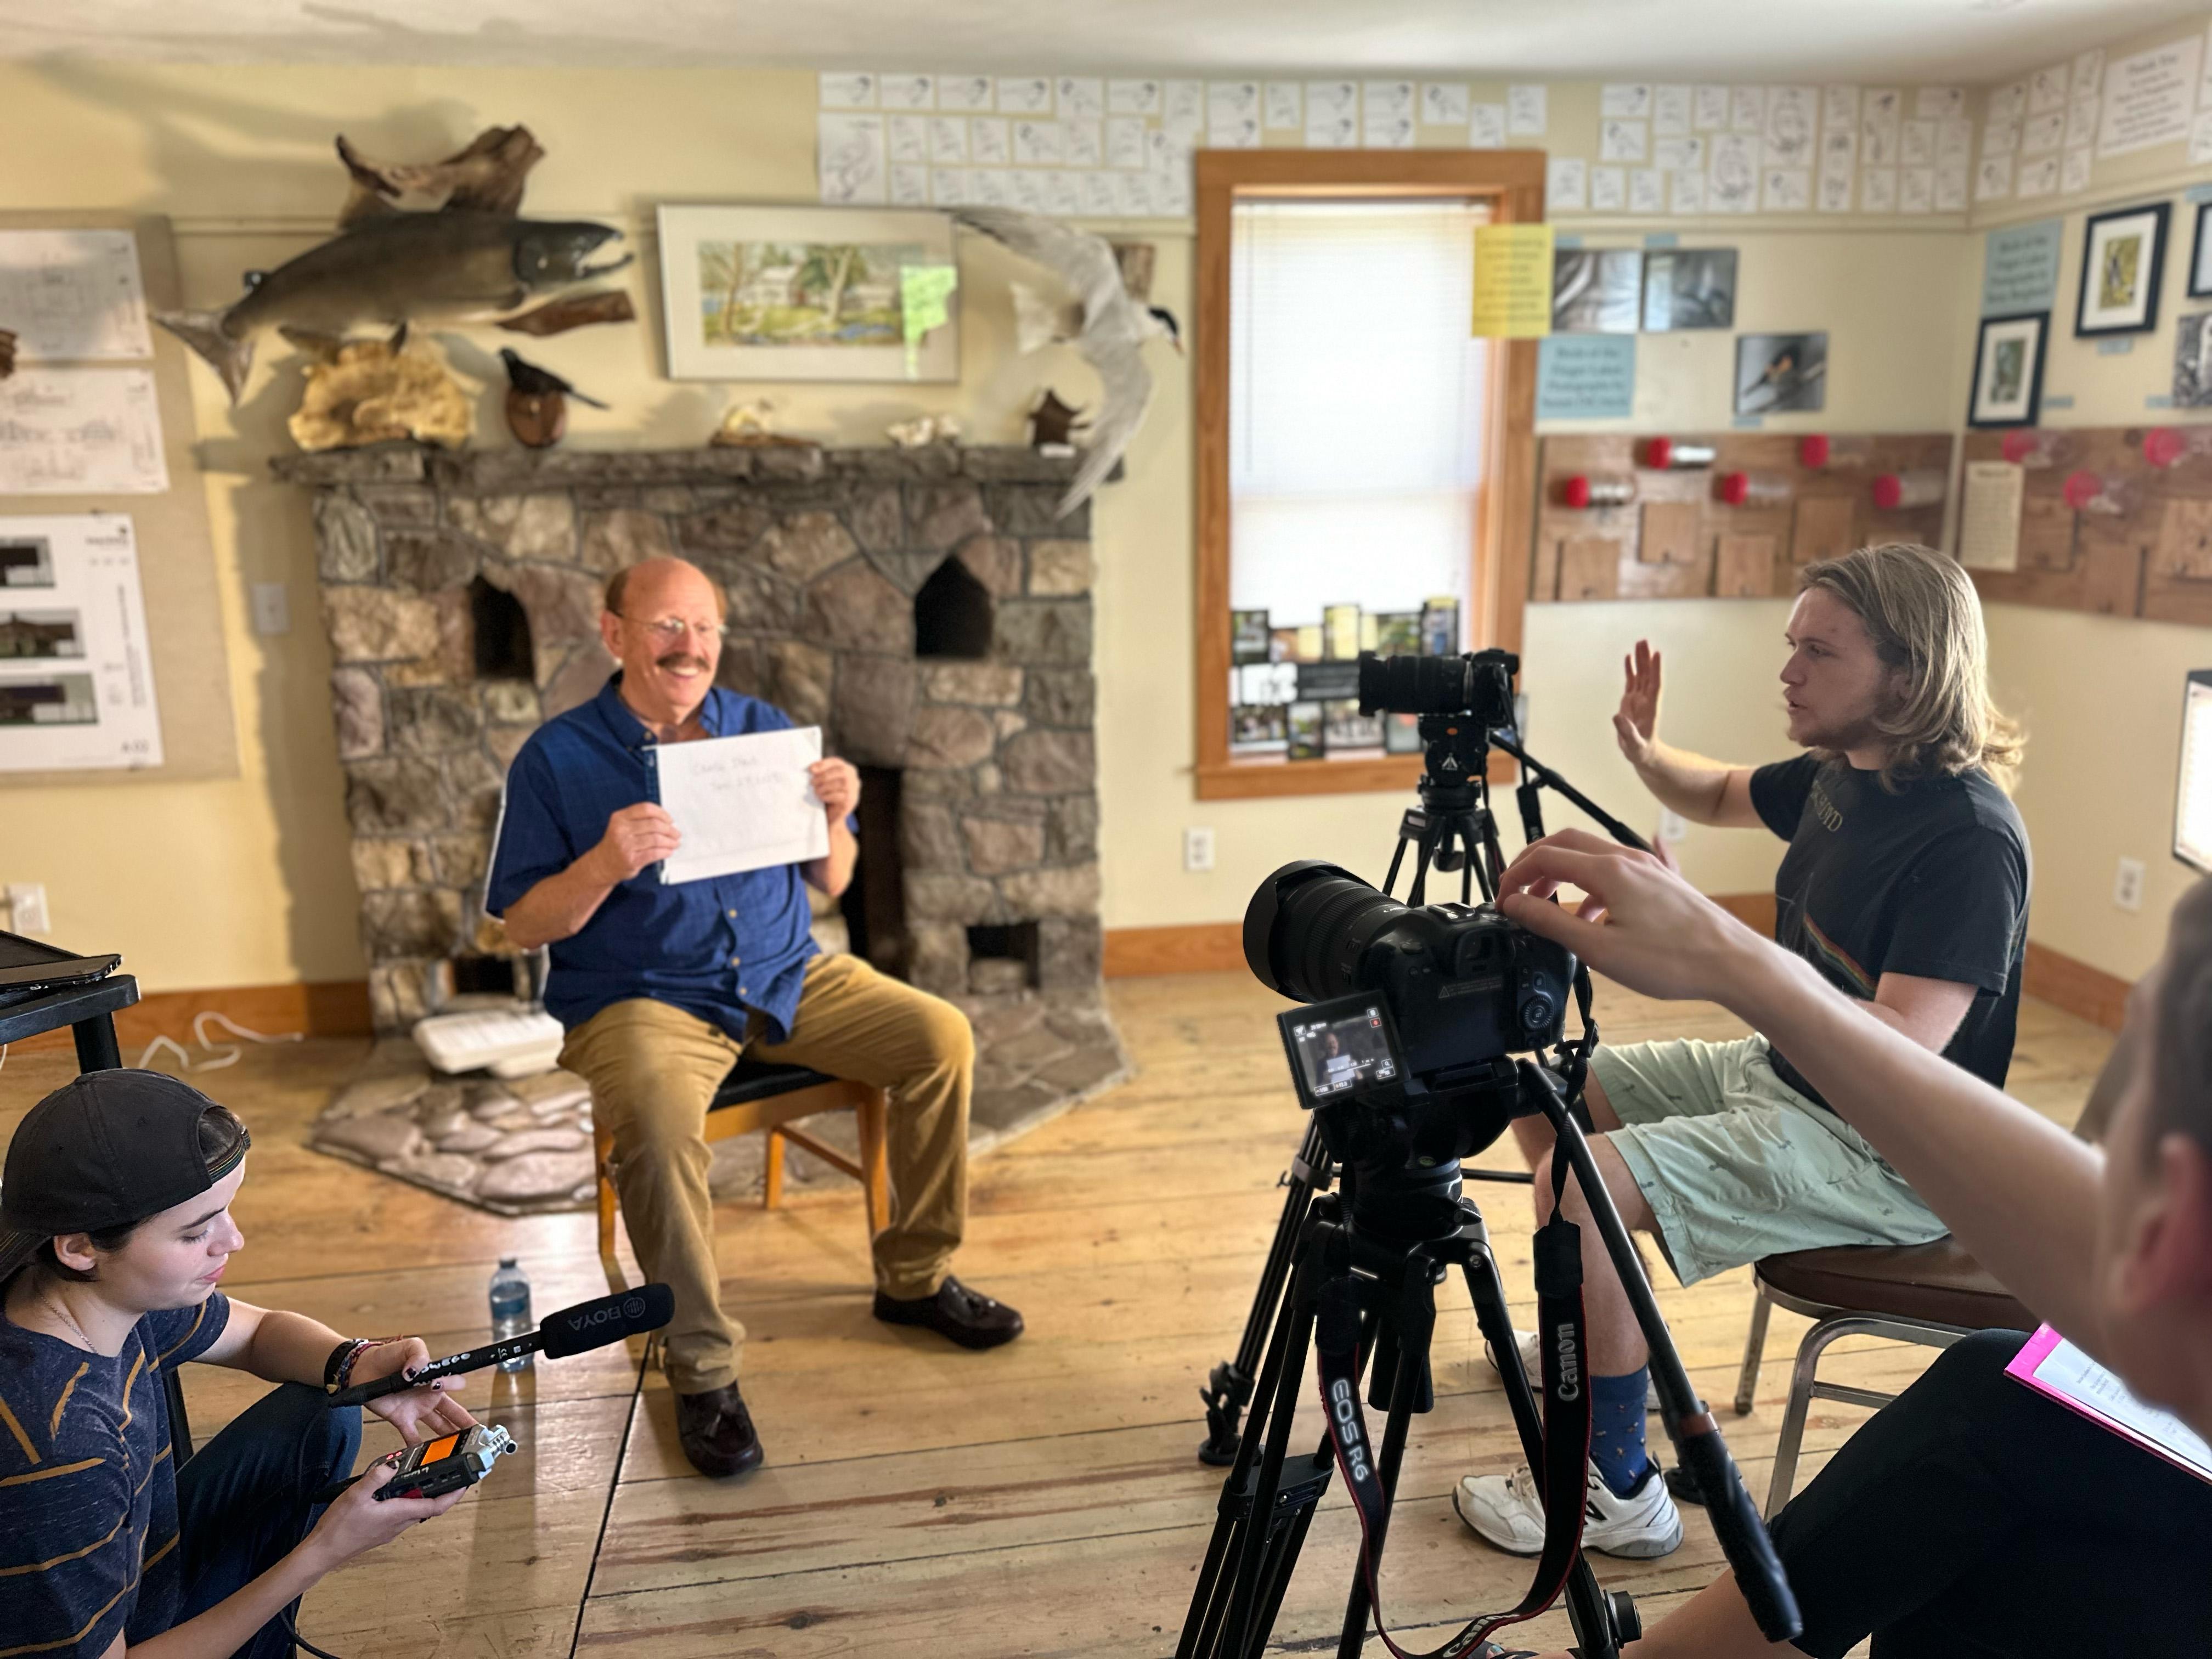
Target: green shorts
1736,1165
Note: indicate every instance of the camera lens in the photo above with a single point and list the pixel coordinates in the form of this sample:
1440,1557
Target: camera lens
1308,925
1414,685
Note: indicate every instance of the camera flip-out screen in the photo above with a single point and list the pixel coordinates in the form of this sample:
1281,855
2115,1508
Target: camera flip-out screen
1342,1046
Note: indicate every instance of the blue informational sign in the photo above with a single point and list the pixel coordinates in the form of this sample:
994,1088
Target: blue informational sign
1586,377
2019,268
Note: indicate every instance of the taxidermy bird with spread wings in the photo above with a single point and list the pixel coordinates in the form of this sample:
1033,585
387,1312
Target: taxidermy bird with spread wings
1095,314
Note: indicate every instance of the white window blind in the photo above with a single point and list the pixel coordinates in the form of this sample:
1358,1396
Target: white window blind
1356,408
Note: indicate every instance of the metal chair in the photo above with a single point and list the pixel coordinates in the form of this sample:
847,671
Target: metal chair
1932,1294
758,1096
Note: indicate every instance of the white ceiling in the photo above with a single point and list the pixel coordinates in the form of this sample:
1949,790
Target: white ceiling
1969,42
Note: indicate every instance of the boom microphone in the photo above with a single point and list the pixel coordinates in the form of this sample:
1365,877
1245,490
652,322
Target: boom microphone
587,1325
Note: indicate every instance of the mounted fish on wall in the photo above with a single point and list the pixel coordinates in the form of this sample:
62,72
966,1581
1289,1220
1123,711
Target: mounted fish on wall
466,257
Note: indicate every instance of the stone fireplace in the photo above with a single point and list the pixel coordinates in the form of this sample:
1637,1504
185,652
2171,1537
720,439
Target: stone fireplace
923,607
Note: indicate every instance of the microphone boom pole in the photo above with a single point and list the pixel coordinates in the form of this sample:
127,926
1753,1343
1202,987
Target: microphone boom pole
574,1330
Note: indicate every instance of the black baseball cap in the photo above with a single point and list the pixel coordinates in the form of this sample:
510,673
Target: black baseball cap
106,1150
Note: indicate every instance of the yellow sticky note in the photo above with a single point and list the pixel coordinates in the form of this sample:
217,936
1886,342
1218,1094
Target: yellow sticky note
924,291
1512,282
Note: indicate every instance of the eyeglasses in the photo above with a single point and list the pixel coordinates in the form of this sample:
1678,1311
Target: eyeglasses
669,631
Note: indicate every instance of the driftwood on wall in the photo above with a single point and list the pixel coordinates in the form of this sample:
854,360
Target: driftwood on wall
1679,538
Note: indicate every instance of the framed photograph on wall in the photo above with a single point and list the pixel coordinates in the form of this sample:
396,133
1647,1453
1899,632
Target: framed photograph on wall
1689,288
2200,255
2008,370
2122,253
1781,373
809,294
1596,291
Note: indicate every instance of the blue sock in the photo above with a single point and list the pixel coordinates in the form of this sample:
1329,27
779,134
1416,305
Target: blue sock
1617,1429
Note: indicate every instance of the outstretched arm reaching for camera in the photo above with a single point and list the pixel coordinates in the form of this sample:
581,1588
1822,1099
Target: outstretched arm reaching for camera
1703,791
2019,1192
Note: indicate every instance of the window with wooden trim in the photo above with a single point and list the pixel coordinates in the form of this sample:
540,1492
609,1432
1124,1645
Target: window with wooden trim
1360,456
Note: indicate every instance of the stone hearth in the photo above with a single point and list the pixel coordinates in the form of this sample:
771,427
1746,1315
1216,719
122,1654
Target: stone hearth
923,607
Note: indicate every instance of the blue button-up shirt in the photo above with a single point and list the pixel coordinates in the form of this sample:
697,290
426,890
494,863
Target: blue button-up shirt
716,947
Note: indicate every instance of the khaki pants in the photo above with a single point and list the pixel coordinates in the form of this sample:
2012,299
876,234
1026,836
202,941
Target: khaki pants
654,1068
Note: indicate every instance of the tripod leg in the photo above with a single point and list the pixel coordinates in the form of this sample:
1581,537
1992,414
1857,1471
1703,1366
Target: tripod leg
1589,1609
1229,1388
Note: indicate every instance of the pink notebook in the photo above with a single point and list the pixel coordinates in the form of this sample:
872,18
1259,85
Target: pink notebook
2051,1365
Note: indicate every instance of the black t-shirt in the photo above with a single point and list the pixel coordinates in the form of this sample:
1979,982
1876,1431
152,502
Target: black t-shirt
1931,881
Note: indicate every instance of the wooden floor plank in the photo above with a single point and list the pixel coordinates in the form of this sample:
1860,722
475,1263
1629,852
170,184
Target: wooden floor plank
1042,1499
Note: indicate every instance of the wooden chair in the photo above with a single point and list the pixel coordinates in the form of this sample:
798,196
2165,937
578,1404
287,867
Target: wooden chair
1932,1293
758,1096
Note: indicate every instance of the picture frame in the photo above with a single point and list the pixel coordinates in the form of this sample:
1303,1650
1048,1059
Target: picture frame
1781,373
1596,291
2192,361
1689,288
2200,255
744,291
2122,255
2007,385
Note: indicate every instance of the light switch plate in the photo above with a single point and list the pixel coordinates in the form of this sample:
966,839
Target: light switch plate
272,607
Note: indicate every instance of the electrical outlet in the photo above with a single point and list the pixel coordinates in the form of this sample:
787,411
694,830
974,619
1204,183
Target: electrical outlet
1673,828
2128,884
27,908
272,607
1197,849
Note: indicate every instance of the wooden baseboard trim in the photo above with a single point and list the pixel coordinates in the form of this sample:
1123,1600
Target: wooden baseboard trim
1205,947
337,1008
2066,982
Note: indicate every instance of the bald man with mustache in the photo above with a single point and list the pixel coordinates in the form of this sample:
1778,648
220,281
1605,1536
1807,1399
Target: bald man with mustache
662,986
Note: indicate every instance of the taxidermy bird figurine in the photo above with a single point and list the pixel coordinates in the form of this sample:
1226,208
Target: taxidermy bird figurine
1095,315
471,259
537,401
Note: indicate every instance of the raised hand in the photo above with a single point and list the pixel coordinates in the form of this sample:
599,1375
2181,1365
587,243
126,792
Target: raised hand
836,786
1636,722
1639,923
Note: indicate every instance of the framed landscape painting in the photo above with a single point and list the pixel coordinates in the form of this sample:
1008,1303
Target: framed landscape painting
809,294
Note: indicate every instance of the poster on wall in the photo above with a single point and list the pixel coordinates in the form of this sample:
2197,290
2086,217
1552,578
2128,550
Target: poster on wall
1596,291
81,431
1689,288
77,682
809,294
2192,361
2122,254
73,294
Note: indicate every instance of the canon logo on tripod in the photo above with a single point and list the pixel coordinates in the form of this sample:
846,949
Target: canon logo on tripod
1571,1370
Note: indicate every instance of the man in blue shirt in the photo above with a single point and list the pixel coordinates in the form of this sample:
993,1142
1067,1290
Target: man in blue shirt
662,986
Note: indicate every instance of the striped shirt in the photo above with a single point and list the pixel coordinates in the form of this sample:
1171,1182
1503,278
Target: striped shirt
87,1491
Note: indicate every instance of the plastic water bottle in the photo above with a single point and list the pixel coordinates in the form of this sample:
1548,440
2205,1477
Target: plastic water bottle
510,1311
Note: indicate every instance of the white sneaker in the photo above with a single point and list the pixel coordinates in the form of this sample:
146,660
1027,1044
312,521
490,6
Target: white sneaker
1533,1363
1508,1511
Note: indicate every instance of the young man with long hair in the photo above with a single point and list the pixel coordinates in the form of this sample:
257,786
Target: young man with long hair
1905,886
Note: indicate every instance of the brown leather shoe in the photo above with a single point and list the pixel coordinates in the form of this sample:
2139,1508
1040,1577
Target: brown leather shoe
717,1432
955,1312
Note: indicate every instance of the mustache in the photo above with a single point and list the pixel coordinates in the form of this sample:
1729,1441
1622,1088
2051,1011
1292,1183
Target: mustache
680,659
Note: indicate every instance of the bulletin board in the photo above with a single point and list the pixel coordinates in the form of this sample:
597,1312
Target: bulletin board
1679,539
175,551
2112,520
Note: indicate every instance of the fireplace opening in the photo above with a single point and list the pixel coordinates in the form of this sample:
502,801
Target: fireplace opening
1002,956
500,630
874,906
952,615
483,976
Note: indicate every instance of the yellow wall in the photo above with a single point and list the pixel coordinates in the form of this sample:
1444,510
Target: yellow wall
246,881
2101,698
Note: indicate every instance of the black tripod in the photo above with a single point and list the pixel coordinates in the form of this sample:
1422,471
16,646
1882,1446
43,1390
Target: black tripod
1452,829
1396,1257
